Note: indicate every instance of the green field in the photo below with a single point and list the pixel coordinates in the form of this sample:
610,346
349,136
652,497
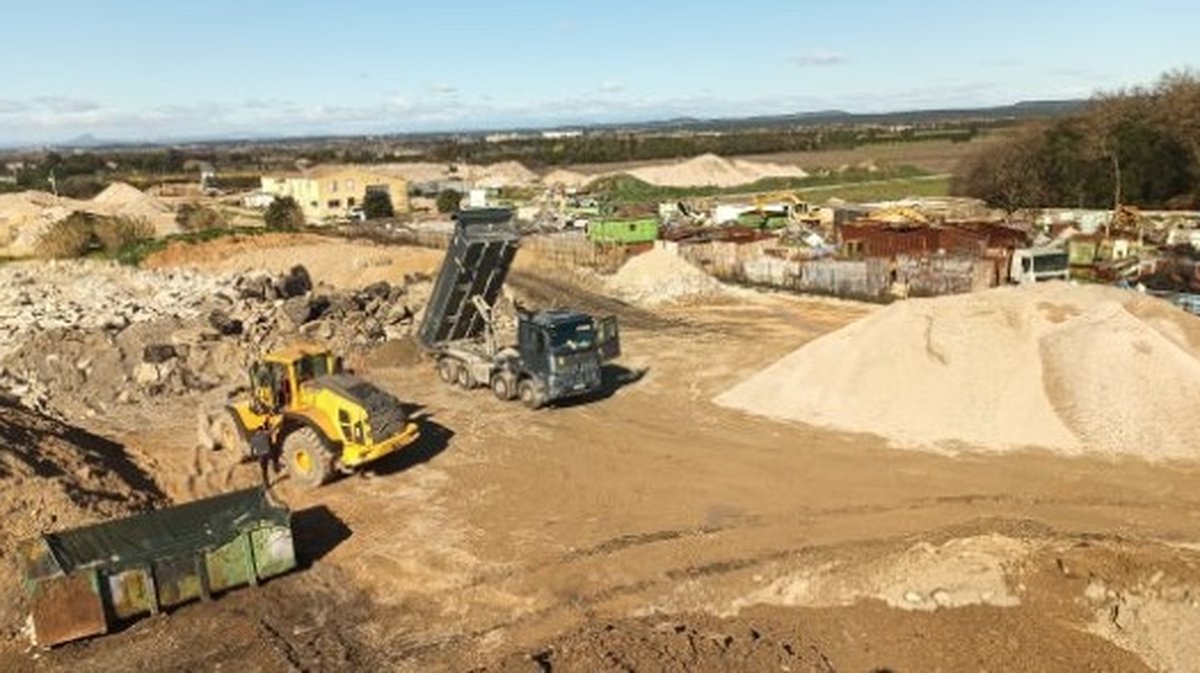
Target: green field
880,190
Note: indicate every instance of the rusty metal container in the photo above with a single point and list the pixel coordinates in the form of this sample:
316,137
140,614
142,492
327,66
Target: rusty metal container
81,582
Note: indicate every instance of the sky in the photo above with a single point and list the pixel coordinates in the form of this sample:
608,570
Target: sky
150,70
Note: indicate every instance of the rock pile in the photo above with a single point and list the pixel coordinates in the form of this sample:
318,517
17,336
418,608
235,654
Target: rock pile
109,336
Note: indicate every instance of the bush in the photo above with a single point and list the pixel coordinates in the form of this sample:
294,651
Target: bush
81,233
195,217
113,234
378,203
284,214
448,201
67,238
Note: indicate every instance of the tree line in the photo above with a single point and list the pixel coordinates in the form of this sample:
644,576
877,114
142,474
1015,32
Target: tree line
1138,146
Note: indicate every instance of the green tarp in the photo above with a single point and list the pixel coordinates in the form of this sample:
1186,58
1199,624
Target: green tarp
174,531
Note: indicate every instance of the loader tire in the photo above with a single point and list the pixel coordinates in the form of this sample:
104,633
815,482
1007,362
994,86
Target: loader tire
227,435
529,394
448,370
307,460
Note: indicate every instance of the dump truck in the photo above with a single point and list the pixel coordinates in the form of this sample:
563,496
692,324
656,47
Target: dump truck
558,354
321,419
84,581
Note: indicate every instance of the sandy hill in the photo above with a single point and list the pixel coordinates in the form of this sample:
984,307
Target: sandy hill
712,170
562,177
1077,369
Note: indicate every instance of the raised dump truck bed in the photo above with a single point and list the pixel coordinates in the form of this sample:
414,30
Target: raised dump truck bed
477,262
83,581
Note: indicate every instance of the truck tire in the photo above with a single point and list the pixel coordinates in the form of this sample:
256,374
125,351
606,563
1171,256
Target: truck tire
448,370
529,394
466,380
502,387
307,460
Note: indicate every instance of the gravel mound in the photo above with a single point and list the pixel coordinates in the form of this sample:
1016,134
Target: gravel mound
1074,369
661,277
712,170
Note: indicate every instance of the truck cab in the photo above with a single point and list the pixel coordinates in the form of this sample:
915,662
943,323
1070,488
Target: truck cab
563,351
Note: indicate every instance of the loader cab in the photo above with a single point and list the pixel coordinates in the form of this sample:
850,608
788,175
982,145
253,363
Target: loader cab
276,380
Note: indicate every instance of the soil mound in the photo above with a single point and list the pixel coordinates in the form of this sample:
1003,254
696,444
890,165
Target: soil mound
1069,368
661,277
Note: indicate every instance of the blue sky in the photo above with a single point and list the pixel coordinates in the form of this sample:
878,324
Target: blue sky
145,70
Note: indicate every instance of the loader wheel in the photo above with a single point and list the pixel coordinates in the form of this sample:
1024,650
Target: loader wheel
448,370
465,380
502,387
529,394
306,458
227,436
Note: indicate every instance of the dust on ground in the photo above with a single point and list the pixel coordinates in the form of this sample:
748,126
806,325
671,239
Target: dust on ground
508,538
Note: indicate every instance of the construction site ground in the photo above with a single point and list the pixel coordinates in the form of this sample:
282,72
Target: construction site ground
651,529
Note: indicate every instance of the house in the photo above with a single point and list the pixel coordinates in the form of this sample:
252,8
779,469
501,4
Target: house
329,192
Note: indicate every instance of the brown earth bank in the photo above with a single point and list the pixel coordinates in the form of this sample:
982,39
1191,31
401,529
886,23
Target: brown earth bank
651,529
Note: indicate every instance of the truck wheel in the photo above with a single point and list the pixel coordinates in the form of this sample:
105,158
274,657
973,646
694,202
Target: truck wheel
227,436
306,458
502,387
466,380
529,394
448,370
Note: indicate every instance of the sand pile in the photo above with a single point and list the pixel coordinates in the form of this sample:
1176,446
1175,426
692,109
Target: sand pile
1074,369
122,200
661,277
560,177
503,174
712,170
25,216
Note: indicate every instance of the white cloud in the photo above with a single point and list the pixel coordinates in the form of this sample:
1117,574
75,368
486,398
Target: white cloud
443,89
612,86
819,59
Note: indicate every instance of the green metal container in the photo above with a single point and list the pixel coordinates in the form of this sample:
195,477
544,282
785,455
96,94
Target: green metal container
83,581
623,231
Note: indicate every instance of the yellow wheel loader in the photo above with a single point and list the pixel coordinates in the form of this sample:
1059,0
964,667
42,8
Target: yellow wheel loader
322,420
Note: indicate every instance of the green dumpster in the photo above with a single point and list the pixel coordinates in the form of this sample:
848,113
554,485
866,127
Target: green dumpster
84,580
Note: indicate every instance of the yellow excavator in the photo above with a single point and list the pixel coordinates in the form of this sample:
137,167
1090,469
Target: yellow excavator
322,420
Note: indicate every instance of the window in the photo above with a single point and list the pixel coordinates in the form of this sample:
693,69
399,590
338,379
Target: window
350,201
334,203
333,185
313,204
349,185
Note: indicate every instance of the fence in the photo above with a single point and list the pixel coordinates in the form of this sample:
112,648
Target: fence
873,278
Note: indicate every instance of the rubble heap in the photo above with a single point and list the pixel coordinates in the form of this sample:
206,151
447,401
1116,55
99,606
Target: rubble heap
108,336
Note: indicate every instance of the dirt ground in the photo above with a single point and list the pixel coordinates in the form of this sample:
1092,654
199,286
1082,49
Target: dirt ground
652,530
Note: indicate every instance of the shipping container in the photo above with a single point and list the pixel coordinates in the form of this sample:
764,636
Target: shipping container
623,231
84,581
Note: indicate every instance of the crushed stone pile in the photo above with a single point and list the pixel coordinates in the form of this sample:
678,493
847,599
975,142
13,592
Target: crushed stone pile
84,338
715,171
661,277
1074,369
57,476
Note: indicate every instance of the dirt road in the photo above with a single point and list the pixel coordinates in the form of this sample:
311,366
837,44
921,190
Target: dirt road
665,531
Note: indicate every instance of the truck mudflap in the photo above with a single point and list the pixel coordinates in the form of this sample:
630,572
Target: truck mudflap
353,457
83,581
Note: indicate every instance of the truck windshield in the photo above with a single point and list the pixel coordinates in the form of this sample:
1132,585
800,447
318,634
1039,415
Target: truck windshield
1057,261
572,337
